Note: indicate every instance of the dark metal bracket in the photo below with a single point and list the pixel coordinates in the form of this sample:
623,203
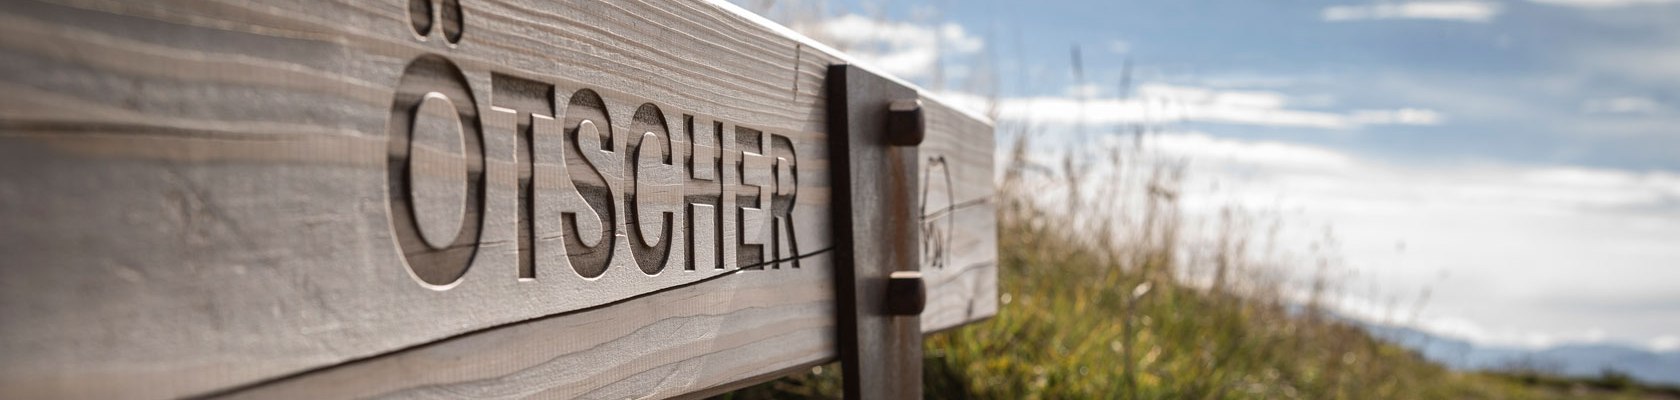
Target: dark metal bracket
874,126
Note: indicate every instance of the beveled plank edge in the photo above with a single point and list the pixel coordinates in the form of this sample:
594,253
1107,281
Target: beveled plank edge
756,379
789,33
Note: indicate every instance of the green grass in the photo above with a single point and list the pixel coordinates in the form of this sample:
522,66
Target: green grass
1073,329
1112,318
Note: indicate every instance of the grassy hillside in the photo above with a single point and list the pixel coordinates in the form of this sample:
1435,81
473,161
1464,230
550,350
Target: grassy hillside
1080,324
1101,309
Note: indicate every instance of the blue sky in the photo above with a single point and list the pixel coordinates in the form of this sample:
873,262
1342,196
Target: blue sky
1518,160
1522,81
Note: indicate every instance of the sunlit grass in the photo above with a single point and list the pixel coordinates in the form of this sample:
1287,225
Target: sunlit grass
1101,307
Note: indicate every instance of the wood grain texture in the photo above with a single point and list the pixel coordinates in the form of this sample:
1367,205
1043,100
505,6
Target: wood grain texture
683,343
198,200
959,222
876,233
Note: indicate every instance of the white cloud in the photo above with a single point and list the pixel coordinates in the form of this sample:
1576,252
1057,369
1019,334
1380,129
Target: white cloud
903,49
1515,255
1467,11
1533,255
1196,95
1461,328
1161,103
1088,90
1621,105
1664,343
1205,148
1404,116
1603,3
1120,47
1649,65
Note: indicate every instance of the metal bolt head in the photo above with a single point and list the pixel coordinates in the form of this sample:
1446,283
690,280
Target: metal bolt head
906,294
905,124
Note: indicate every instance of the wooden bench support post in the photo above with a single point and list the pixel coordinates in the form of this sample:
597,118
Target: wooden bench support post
874,126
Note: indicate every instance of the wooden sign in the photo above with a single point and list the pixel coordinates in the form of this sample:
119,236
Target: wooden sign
437,198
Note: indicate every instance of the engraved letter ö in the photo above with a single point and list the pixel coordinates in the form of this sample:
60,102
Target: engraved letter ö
435,171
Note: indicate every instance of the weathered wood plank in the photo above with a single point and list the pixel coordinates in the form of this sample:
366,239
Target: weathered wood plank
208,197
673,343
959,225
